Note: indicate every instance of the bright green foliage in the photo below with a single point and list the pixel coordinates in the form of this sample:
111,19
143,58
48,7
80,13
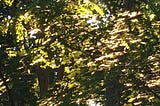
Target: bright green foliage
106,51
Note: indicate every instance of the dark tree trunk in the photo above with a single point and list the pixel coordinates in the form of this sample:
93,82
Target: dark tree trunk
113,91
43,80
114,87
60,72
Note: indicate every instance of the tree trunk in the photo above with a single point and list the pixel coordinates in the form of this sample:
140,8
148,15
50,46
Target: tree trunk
60,72
43,80
113,91
114,87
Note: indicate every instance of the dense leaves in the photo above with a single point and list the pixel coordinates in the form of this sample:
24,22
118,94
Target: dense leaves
69,52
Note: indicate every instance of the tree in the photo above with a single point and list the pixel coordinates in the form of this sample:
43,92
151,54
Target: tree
68,52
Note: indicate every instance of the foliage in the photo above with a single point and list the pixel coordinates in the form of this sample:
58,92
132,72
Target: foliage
68,52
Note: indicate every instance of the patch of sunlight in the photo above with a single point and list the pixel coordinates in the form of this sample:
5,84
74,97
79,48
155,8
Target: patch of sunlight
91,102
9,2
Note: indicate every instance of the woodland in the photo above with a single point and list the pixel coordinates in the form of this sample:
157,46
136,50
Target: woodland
79,52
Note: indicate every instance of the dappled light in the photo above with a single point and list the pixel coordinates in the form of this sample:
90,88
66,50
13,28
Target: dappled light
79,53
